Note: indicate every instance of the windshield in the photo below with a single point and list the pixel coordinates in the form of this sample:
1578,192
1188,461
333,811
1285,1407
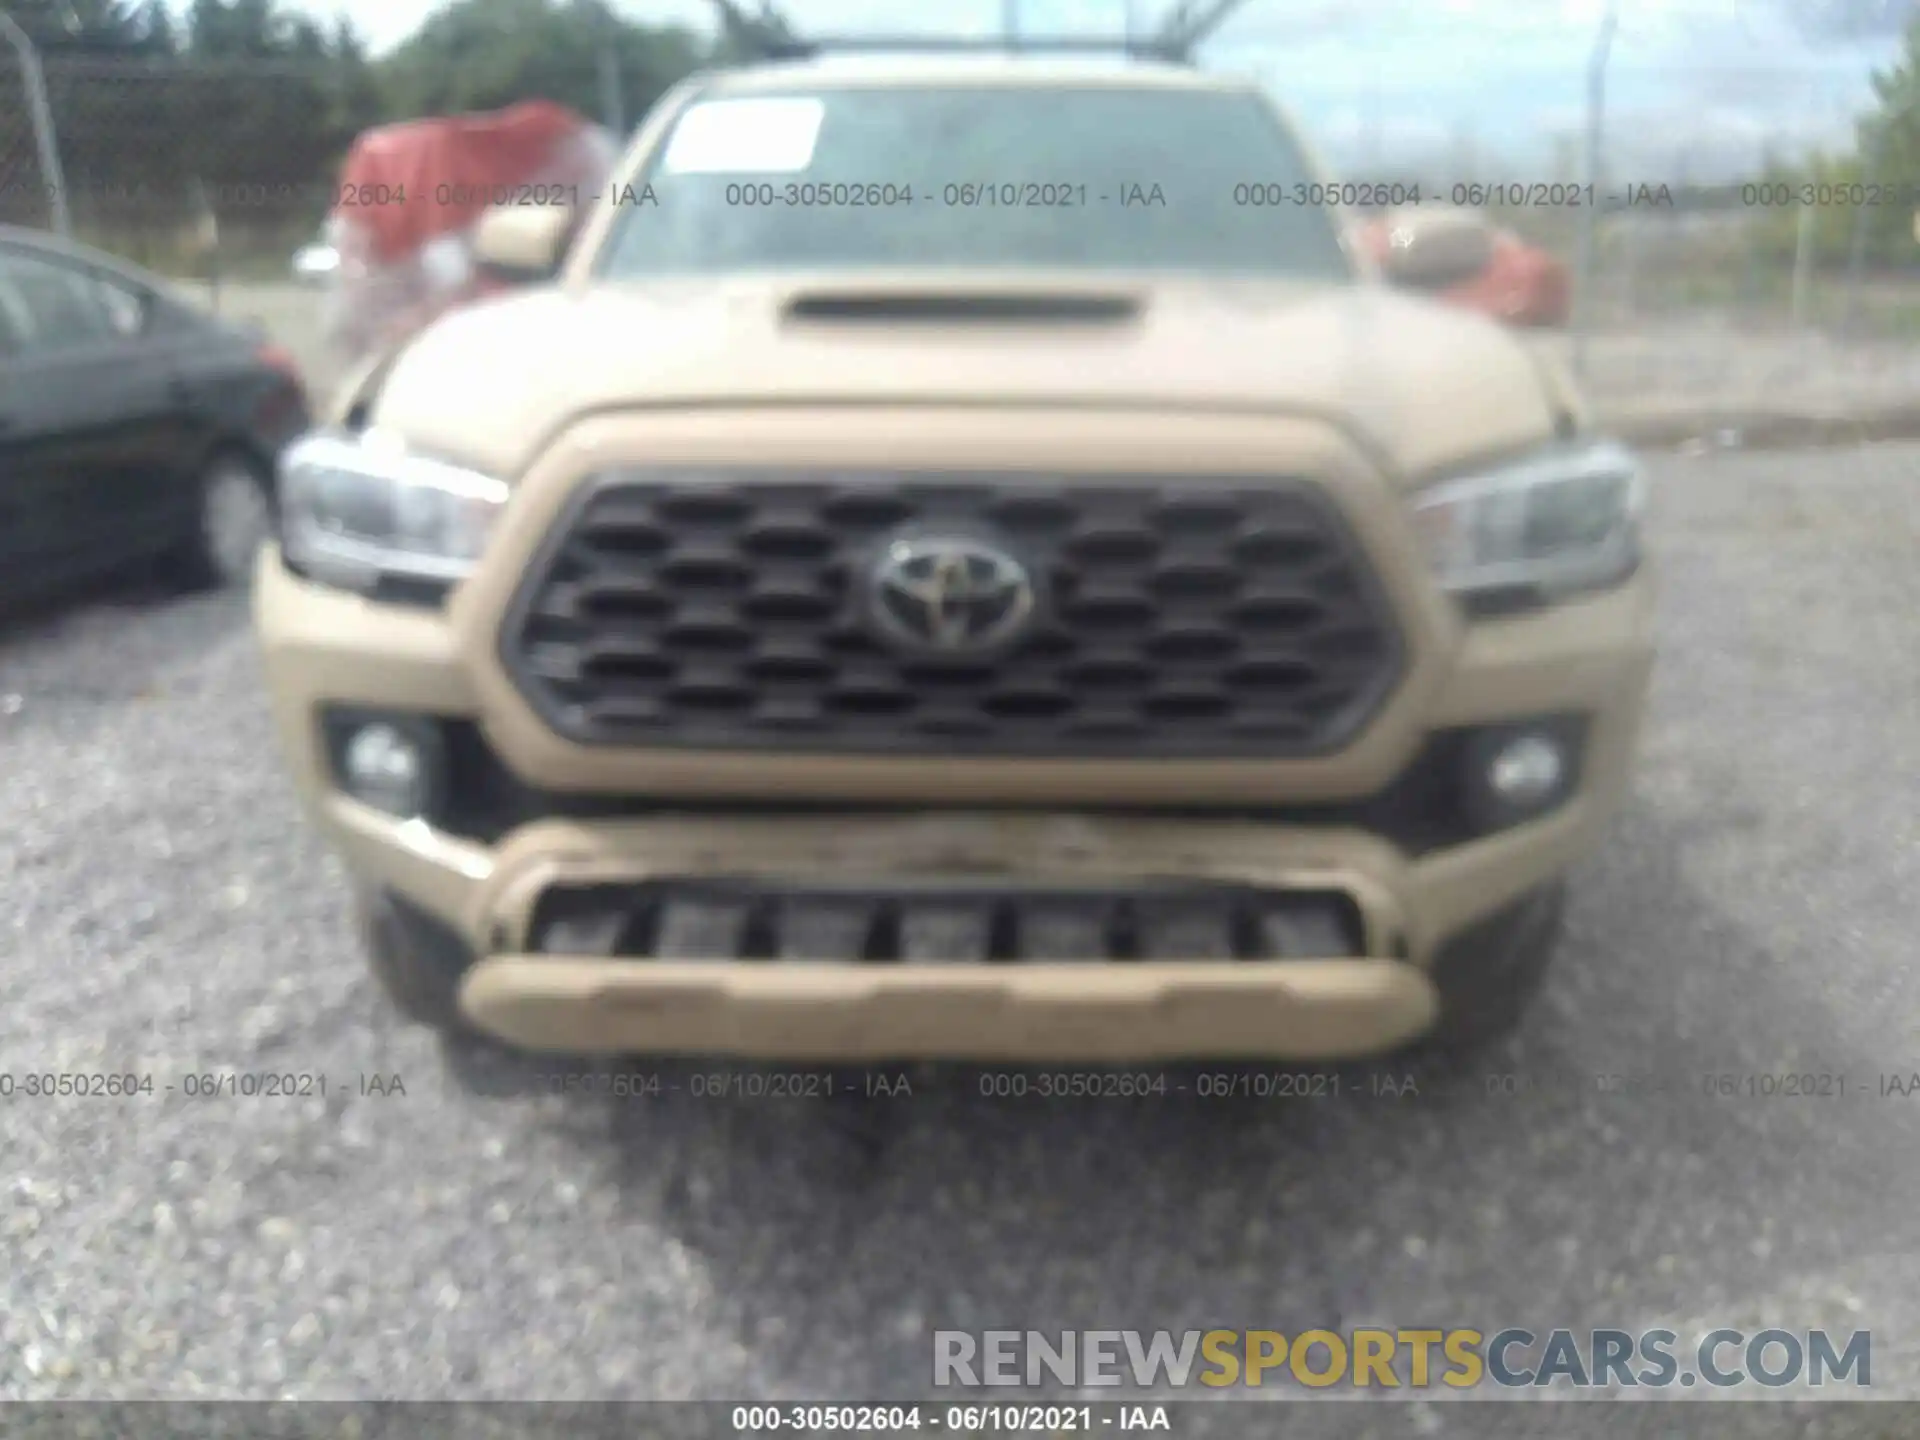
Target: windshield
1079,177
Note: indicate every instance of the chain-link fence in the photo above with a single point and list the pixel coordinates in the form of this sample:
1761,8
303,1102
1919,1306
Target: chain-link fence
1741,298
1822,248
185,168
33,127
181,163
152,148
1710,271
1717,261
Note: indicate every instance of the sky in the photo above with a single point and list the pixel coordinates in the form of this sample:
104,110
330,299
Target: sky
1696,88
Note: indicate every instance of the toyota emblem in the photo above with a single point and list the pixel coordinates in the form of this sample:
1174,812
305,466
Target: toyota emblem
951,596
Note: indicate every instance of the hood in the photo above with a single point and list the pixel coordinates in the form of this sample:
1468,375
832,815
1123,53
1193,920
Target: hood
1419,385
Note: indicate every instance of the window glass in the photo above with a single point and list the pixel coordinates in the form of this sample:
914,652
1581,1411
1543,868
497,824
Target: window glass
49,306
1078,176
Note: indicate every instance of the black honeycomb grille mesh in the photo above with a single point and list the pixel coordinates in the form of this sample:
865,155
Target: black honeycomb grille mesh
1176,618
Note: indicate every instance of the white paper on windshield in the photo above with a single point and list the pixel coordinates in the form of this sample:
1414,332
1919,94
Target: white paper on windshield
768,136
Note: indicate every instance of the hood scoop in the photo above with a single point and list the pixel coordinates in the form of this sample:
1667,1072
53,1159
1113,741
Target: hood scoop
960,307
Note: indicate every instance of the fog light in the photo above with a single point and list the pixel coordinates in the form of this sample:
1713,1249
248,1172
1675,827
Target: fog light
1513,773
386,768
1527,770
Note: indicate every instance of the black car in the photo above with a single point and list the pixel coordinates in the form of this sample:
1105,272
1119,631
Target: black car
133,426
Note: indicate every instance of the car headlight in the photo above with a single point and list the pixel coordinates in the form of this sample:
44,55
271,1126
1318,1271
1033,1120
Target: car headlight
359,509
1555,523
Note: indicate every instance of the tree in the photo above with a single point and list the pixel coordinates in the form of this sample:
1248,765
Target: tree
66,27
233,29
1884,165
1890,135
354,100
484,54
244,123
158,34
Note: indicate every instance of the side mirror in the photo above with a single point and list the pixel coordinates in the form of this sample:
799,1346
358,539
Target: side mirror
522,244
1429,252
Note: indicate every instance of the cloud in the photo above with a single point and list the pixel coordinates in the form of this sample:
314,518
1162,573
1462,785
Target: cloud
1842,20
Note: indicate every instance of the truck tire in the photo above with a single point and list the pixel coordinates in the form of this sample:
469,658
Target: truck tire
417,961
1489,973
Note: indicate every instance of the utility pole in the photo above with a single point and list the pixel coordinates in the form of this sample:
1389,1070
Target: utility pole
613,108
1010,21
1596,163
1803,241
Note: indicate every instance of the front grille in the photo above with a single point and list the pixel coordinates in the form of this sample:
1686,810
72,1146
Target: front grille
1187,617
959,922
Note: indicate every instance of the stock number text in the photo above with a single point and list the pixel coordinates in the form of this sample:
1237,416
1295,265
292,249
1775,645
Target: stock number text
1858,193
37,1084
1071,1084
1272,194
827,1419
821,196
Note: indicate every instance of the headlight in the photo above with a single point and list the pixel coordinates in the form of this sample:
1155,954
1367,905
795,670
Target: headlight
358,509
1555,523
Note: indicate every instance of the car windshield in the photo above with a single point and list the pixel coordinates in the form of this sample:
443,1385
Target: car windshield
1096,177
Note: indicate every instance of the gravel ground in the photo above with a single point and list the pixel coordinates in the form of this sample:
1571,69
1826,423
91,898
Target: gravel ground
164,911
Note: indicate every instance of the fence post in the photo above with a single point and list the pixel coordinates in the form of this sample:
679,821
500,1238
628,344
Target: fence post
1802,265
44,138
206,231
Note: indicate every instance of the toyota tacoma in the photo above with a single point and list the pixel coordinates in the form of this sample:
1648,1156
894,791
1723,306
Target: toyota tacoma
955,557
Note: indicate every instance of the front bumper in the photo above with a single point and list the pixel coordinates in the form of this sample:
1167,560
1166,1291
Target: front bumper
323,648
1308,1009
839,819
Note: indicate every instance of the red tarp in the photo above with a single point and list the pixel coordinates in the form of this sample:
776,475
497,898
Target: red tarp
1520,284
447,168
413,193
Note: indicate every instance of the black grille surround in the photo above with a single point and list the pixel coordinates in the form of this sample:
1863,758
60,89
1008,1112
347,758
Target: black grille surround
1176,617
1420,810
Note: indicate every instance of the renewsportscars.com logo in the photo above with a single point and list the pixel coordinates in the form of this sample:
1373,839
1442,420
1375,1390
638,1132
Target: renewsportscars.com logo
1461,1359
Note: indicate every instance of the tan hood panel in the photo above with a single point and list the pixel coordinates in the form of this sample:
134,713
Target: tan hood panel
1421,387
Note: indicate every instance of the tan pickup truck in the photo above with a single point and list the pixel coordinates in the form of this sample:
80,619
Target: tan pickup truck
930,573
